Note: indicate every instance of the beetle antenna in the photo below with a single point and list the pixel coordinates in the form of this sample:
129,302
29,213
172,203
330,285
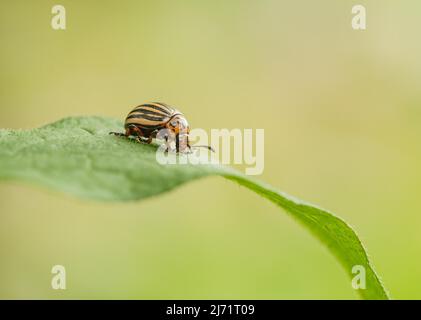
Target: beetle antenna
207,147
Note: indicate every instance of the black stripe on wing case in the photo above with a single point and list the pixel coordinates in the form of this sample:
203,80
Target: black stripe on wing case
163,109
146,117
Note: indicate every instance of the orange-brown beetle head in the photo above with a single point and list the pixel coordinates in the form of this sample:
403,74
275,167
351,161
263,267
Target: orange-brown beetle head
178,124
180,127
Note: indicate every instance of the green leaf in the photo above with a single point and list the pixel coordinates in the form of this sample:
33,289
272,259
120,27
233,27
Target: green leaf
79,157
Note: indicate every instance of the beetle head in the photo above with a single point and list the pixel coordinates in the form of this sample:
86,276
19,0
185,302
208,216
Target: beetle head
178,124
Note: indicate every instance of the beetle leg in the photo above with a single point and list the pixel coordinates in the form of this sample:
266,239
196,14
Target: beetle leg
140,140
188,145
118,134
143,140
128,133
148,141
166,143
154,134
136,132
177,143
132,130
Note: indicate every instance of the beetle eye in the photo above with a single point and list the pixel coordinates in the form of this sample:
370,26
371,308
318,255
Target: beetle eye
174,123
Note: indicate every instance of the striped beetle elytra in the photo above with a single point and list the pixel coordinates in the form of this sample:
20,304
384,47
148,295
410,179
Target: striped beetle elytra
159,120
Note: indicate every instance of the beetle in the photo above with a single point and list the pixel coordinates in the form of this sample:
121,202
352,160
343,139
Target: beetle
158,120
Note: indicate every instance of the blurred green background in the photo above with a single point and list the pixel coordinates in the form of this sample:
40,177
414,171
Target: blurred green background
341,111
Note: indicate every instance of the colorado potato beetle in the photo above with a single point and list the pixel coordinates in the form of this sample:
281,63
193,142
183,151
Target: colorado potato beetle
159,120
